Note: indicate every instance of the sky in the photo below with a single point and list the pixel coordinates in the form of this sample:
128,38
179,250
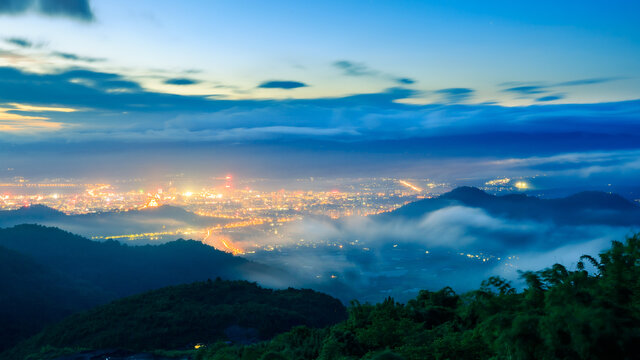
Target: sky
449,89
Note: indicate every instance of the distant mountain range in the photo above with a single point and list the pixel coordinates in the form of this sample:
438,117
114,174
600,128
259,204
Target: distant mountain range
584,208
59,272
159,219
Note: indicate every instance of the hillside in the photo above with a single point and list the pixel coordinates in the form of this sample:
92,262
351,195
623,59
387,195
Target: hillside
33,295
125,270
585,208
159,219
560,314
178,317
49,273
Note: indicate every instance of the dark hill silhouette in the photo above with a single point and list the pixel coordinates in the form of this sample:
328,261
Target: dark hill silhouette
162,212
30,213
157,219
124,270
52,260
178,317
33,295
585,208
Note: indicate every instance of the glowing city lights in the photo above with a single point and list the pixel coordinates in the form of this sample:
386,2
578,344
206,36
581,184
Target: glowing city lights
521,185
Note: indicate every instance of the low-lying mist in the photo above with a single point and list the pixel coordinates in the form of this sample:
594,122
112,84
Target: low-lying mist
373,257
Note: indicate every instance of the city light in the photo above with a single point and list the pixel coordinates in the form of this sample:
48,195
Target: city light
521,185
238,207
410,186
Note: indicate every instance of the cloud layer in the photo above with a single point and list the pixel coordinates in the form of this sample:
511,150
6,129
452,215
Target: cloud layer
380,131
76,9
282,84
455,246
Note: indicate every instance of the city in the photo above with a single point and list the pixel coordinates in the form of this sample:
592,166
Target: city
242,203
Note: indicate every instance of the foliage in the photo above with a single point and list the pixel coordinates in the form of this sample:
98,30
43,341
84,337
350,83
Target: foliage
561,314
33,295
179,317
47,274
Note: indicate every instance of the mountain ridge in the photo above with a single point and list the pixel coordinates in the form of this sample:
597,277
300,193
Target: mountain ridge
583,208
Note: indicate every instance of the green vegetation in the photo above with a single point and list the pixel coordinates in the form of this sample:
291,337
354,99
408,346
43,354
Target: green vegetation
592,312
34,295
561,314
47,274
179,317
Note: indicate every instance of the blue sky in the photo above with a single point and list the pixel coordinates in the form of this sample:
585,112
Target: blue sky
232,46
372,74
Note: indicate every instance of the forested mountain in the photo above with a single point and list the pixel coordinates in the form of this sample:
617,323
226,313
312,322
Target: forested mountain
63,273
125,270
584,208
33,295
179,317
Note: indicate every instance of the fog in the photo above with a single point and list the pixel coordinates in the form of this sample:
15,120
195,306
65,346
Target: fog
456,246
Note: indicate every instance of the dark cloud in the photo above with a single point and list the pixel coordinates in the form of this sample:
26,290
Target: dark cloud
90,89
455,95
181,81
76,9
550,98
591,81
112,106
354,68
20,42
527,89
351,68
405,81
14,6
74,57
282,84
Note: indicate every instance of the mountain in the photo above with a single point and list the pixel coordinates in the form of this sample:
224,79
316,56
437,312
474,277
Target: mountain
29,214
125,270
151,220
584,208
178,317
33,295
48,273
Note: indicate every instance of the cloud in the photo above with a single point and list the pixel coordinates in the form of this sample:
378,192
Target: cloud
526,90
24,43
281,84
455,246
74,57
14,118
405,81
576,166
76,9
550,98
181,81
113,106
590,81
350,68
90,89
455,95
